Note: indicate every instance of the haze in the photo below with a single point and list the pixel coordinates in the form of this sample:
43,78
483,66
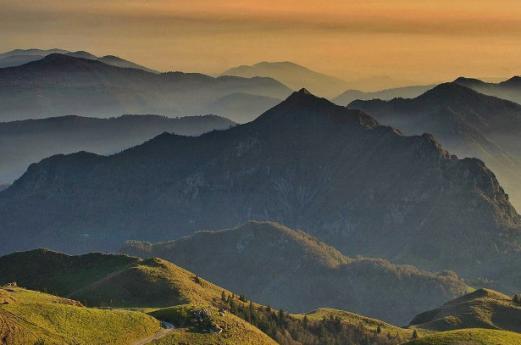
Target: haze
390,43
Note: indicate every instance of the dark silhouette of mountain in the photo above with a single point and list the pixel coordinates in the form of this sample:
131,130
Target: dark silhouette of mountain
19,57
509,89
310,164
28,141
292,270
467,123
61,85
482,308
387,94
119,62
292,75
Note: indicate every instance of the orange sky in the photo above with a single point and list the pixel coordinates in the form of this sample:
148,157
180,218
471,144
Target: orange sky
407,40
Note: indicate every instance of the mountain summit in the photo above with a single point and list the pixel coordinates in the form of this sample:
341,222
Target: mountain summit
466,122
307,163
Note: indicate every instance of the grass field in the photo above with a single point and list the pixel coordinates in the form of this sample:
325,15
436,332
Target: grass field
470,337
28,316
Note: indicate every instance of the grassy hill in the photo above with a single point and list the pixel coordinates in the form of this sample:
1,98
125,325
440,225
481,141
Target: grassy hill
27,317
59,273
480,309
470,337
150,283
172,294
290,269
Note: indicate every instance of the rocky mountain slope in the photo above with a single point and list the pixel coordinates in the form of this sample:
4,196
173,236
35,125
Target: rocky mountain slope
467,123
61,84
29,141
307,163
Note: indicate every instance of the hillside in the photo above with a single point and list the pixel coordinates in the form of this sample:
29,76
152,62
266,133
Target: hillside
28,141
470,337
201,311
387,94
307,274
307,163
293,75
465,122
30,317
480,309
61,84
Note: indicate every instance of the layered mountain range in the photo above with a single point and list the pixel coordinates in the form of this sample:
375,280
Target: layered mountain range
60,84
509,89
467,123
387,94
19,57
293,75
28,141
353,183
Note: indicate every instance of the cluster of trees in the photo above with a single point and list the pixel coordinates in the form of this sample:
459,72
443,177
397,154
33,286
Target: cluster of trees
287,329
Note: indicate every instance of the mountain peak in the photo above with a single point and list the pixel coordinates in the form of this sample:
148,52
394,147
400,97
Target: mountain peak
469,82
303,94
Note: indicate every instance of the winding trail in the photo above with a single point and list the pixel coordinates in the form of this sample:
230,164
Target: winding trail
166,329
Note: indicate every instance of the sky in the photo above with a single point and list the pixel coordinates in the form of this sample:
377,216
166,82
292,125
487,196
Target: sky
379,42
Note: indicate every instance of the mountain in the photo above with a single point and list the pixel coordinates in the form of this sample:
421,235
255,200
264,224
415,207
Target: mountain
201,312
509,89
401,92
480,309
30,317
19,57
470,337
243,107
291,280
330,171
28,141
467,123
61,85
292,75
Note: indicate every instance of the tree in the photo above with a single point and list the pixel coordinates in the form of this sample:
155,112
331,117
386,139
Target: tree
517,299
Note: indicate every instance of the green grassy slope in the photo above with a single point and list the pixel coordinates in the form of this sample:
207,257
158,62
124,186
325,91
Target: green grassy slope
470,337
482,308
149,283
59,273
28,316
234,329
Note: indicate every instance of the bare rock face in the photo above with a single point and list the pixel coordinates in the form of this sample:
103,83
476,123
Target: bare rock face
306,163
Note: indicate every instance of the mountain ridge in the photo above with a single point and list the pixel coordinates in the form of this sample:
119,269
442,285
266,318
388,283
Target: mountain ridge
60,84
362,186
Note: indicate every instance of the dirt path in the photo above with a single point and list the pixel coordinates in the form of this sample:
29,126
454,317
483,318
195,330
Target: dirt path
166,329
